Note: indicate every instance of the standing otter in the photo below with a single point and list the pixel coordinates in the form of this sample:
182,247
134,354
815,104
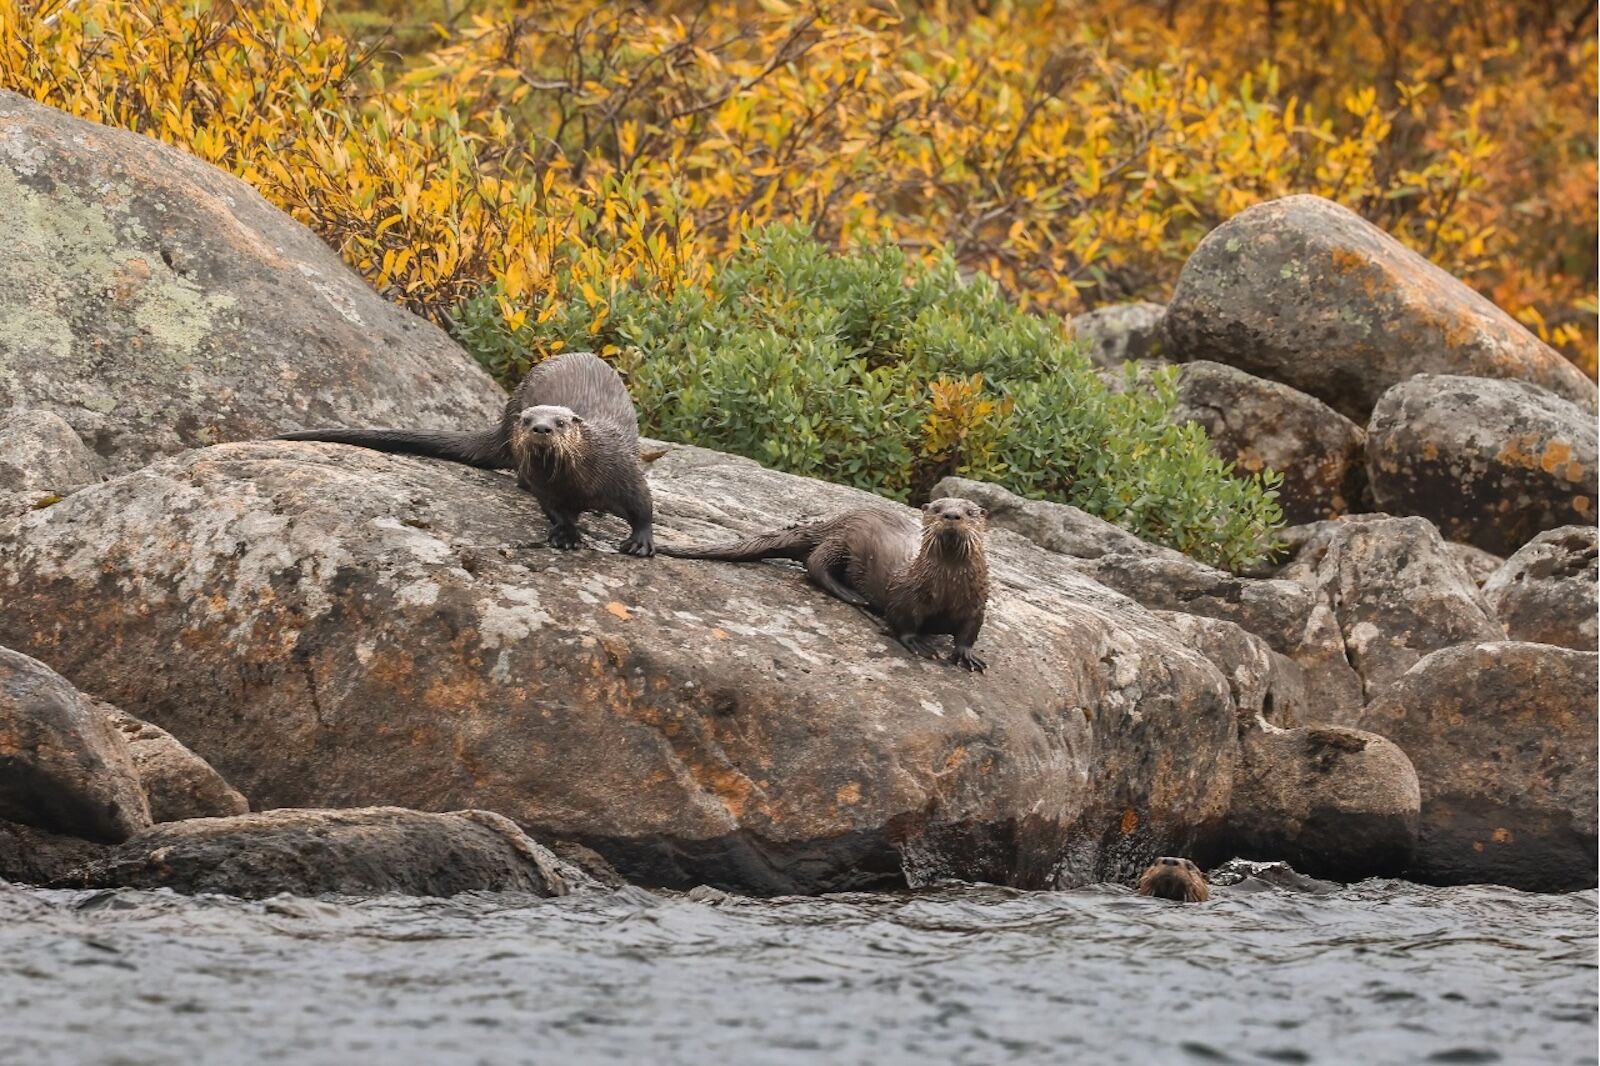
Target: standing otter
569,431
924,582
1177,879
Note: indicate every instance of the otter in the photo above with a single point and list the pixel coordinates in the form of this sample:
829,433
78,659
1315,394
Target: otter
1177,879
570,432
923,581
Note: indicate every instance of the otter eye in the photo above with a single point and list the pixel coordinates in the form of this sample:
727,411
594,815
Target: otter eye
560,422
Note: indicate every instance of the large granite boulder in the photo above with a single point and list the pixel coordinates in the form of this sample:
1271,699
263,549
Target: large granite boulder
1546,591
1120,333
1303,291
1503,737
1492,463
1396,591
40,454
177,783
63,767
1332,802
157,304
364,851
1294,620
330,626
1259,425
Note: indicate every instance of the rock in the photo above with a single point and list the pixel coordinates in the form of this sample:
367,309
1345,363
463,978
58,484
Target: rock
1396,591
33,857
1334,803
1267,687
1258,425
1478,564
157,304
366,851
1118,333
1303,291
177,783
1293,620
40,454
1503,738
330,626
1546,591
62,767
1492,463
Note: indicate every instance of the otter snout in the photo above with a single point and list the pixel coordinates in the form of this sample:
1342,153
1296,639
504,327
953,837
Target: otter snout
539,424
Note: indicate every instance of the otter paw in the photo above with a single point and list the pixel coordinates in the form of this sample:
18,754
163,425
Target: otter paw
965,658
640,545
918,645
565,537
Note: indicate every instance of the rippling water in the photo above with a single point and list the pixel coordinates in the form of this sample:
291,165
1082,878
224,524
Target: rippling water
1378,972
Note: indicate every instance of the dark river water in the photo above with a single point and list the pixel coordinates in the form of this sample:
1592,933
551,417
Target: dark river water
1378,972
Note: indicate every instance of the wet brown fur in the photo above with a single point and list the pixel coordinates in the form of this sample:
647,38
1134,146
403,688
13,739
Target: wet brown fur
924,580
1175,879
587,463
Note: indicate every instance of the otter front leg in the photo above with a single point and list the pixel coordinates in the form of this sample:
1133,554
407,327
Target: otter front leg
966,637
641,539
564,532
820,567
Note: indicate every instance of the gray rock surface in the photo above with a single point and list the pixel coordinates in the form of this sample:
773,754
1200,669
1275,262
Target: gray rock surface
1267,688
177,783
1546,591
1332,802
1478,564
1503,737
39,453
1259,425
1492,463
1118,333
1294,620
31,856
331,626
1396,592
156,304
364,851
63,768
1303,291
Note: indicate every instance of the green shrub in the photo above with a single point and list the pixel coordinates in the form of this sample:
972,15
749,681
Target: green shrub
874,370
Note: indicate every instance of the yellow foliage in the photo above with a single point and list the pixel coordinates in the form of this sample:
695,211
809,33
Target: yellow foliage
556,150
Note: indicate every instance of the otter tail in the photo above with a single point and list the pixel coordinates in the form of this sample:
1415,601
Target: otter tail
794,543
483,449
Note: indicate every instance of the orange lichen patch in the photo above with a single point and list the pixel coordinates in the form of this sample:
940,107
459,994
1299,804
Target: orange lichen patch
1574,472
620,611
1581,504
719,633
1346,260
1429,450
1130,820
1518,451
1477,845
1502,836
1556,453
130,279
956,757
848,795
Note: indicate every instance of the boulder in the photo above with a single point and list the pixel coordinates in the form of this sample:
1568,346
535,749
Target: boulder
177,783
1492,463
40,454
32,856
63,768
156,304
1259,425
365,851
1303,291
1332,802
1503,738
1267,688
1396,592
1118,333
1546,591
330,626
1478,564
1293,620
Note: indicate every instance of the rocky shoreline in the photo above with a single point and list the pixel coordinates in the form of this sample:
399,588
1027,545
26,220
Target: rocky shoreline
380,657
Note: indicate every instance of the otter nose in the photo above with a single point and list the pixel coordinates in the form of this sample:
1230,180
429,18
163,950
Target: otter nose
1169,861
541,429
952,516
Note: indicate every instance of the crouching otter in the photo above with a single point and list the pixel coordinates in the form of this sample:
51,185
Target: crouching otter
1177,879
924,580
570,432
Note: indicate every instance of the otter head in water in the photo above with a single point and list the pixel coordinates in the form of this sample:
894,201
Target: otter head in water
1179,879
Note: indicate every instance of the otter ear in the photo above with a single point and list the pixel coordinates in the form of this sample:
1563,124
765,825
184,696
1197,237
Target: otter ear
927,507
981,512
577,420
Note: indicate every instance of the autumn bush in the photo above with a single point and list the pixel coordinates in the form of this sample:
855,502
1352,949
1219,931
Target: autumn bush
886,372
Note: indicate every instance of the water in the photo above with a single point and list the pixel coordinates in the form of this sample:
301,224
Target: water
1377,972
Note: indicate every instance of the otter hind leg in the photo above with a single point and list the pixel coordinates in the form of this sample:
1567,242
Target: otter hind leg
822,567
